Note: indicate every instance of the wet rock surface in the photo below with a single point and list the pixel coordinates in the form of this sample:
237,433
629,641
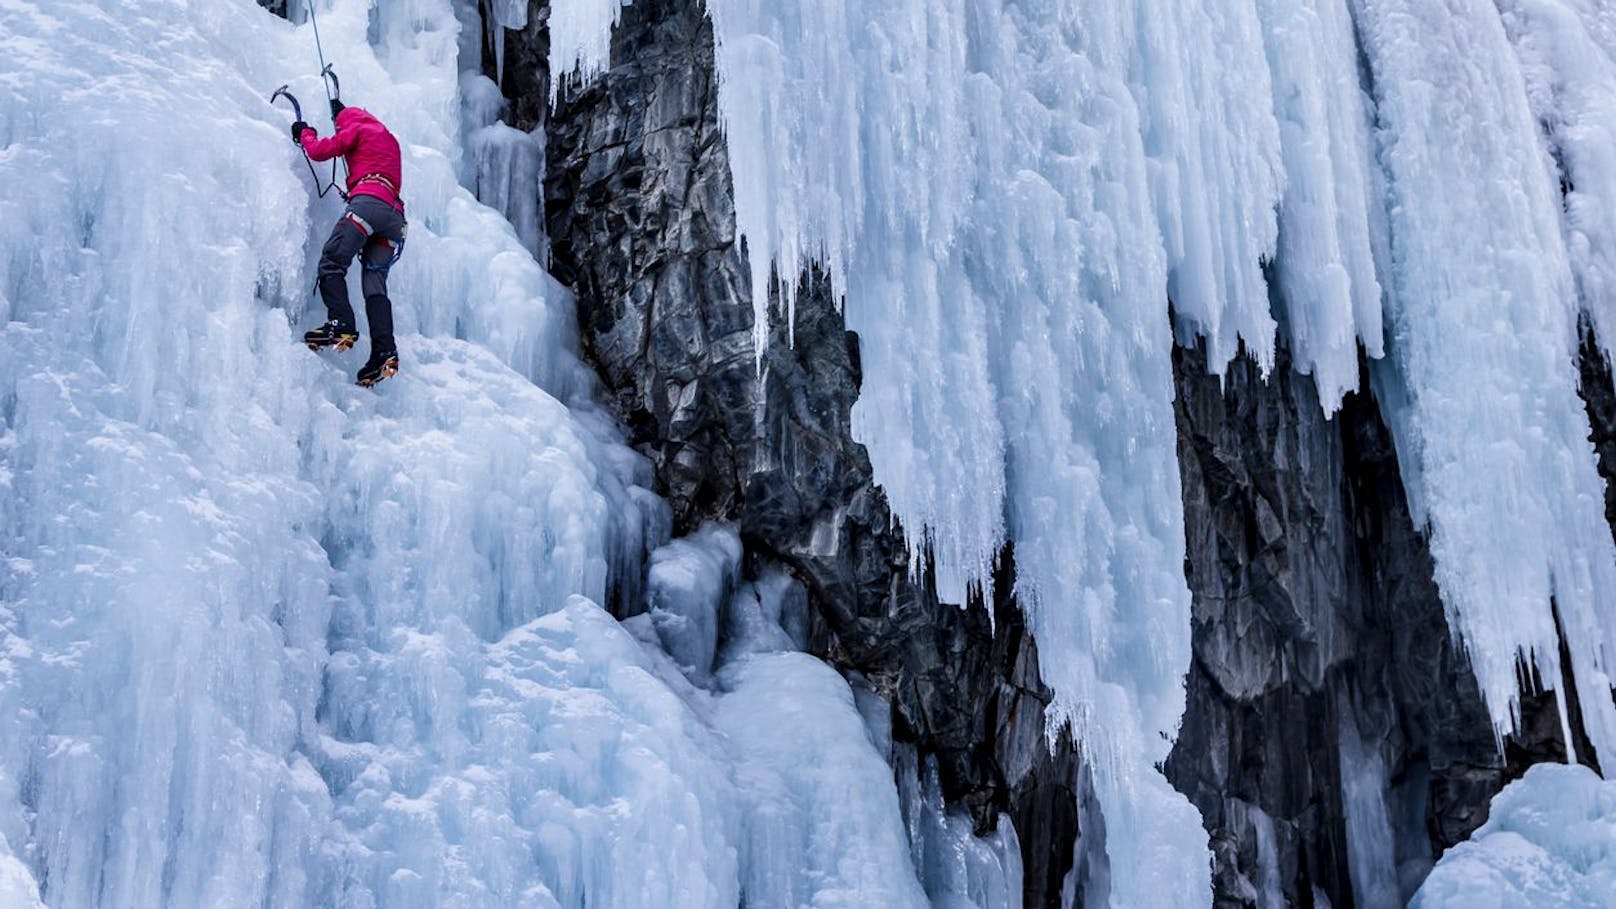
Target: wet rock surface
1323,665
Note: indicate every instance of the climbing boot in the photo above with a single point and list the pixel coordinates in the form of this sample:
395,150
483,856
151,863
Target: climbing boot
331,334
381,365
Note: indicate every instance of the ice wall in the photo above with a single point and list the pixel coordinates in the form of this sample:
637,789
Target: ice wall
210,532
268,639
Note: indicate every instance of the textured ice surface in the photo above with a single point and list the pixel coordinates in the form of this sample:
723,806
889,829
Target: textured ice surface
505,167
689,581
852,851
1330,225
1567,52
581,38
271,640
1371,841
17,886
1549,842
959,870
1480,382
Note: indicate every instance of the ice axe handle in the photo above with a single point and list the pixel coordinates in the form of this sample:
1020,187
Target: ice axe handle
335,87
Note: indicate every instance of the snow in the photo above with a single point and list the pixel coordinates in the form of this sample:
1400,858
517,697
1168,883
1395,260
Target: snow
270,639
1550,840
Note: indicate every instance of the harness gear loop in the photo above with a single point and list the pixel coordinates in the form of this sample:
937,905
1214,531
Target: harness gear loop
382,179
397,248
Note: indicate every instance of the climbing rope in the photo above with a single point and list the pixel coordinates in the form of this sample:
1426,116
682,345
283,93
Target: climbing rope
319,47
327,77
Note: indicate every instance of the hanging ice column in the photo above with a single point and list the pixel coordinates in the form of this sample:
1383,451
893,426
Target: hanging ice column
1480,386
1331,228
986,190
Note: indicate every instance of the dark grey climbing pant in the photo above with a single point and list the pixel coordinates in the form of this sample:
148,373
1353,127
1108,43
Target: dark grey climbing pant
376,229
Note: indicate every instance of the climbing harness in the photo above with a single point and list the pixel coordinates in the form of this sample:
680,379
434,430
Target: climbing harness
398,253
333,92
382,179
364,227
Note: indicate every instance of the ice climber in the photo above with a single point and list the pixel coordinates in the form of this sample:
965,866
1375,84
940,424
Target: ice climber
372,227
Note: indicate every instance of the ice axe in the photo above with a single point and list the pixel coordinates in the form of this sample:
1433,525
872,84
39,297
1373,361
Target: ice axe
297,113
285,92
333,89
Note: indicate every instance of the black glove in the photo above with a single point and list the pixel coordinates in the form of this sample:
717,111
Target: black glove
337,107
297,131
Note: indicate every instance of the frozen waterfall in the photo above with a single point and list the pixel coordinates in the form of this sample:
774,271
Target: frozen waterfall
267,639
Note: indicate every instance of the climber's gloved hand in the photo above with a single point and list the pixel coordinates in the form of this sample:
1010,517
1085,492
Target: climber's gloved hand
297,131
337,107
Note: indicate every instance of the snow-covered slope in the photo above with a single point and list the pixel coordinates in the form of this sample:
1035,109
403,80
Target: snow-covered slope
269,639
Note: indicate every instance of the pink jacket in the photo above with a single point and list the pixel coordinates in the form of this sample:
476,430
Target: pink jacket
374,163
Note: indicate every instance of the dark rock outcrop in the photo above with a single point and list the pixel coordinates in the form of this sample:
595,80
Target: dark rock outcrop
1319,632
1599,394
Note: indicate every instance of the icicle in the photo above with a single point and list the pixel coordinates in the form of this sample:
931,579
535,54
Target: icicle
1479,385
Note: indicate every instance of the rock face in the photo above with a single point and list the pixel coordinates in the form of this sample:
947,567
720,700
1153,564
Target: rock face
1328,708
1318,633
